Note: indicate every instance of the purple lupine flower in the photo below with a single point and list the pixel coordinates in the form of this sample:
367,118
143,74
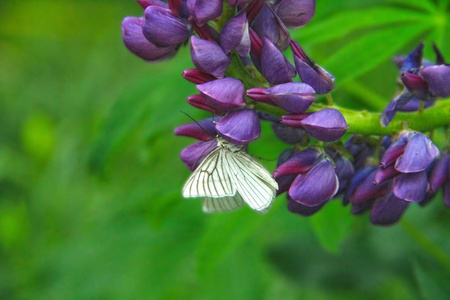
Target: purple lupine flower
223,94
146,3
274,66
235,35
267,24
315,182
438,79
295,97
200,102
387,210
135,41
204,131
326,125
289,135
440,177
163,28
310,72
209,57
303,210
238,2
344,168
203,11
360,149
295,13
197,76
240,127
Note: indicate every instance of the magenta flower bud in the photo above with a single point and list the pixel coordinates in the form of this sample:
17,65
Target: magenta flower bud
209,57
223,94
411,187
203,130
163,28
416,85
438,78
440,173
316,186
388,210
240,127
136,42
274,66
293,120
200,102
295,13
267,24
299,163
295,97
259,94
204,10
310,72
326,125
194,154
396,149
418,156
197,76
235,35
146,3
303,210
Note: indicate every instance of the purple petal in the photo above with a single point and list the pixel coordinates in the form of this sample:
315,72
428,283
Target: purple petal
204,10
326,125
196,76
258,94
240,127
303,210
384,174
411,187
317,186
146,3
284,183
355,181
419,154
344,172
295,13
368,190
414,105
200,102
439,173
293,120
203,130
299,163
314,75
193,155
388,210
235,33
238,2
393,106
289,135
273,64
438,77
414,60
447,193
223,94
417,85
268,24
136,42
209,57
360,208
395,149
295,97
163,28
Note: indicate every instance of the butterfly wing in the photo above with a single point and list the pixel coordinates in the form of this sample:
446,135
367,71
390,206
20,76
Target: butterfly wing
254,184
211,178
228,203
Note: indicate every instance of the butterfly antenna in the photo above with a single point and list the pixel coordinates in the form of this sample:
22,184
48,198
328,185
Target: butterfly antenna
204,130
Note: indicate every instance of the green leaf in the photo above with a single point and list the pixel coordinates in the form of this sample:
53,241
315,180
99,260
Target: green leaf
38,136
430,285
339,25
331,225
427,5
365,53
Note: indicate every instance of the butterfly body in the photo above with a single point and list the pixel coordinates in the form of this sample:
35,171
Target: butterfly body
228,177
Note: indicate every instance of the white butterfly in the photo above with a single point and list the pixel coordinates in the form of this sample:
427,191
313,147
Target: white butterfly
228,178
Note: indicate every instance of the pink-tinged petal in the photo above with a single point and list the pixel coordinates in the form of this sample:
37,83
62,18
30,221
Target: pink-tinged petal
417,85
294,120
258,94
146,3
163,28
383,174
223,94
388,210
193,155
316,186
303,210
314,75
395,149
235,35
411,187
240,127
209,57
440,173
203,130
267,24
418,156
299,163
197,76
204,10
200,102
326,125
136,42
295,13
438,78
295,97
274,66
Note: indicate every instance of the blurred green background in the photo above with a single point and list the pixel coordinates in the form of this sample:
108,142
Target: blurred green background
90,175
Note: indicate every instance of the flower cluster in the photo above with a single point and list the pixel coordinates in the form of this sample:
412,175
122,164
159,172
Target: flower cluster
243,77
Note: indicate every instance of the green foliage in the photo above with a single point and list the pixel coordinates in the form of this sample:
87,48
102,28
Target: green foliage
90,176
